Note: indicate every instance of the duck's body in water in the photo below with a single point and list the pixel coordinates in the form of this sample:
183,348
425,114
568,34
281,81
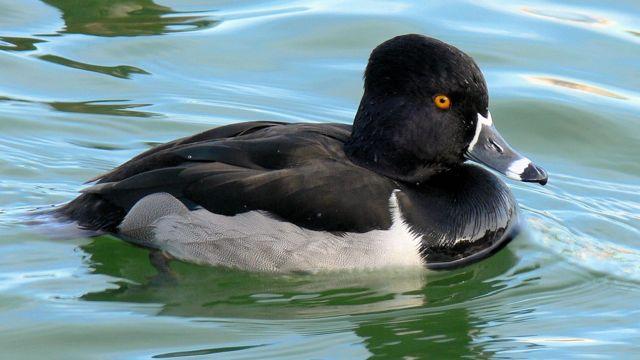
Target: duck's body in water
393,190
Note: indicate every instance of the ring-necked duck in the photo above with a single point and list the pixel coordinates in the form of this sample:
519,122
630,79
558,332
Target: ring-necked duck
392,190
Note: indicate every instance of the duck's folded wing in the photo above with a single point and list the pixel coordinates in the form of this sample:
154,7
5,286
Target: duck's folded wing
319,196
295,172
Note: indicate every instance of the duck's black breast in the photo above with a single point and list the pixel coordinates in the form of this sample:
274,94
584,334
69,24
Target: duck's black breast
296,172
463,215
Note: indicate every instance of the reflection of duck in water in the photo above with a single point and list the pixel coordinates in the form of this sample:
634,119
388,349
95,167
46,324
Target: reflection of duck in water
392,313
124,18
203,291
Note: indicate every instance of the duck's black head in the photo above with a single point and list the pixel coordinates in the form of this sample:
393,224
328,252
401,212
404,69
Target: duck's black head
425,109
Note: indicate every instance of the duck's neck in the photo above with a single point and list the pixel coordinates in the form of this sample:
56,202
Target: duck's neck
379,144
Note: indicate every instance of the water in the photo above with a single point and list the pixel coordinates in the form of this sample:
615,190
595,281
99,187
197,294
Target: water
85,85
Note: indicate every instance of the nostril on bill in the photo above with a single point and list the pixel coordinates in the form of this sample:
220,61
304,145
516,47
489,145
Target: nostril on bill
496,146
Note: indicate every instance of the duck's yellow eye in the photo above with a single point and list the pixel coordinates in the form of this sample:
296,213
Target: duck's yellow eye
442,102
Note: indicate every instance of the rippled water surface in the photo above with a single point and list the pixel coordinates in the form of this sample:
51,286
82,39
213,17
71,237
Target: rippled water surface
85,85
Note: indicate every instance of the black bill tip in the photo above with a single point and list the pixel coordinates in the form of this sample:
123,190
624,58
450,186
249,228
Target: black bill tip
533,173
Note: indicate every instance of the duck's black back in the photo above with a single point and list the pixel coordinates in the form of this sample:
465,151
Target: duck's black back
297,172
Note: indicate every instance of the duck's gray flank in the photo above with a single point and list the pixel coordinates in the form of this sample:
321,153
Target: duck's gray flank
257,241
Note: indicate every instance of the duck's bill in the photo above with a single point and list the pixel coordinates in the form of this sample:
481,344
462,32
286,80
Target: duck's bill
489,148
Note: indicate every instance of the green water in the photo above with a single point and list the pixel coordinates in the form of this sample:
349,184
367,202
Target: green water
85,85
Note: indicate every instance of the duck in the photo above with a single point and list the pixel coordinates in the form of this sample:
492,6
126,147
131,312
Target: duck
412,183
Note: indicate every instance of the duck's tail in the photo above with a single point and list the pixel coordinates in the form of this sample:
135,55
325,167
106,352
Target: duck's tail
91,213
